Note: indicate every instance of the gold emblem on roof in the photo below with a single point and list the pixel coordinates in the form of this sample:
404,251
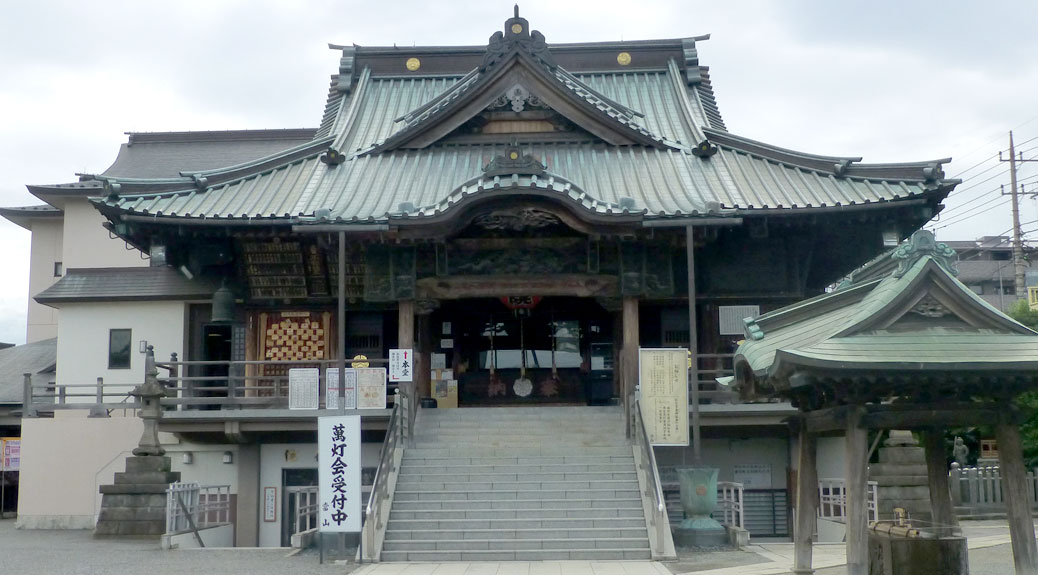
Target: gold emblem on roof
517,28
413,64
623,58
514,155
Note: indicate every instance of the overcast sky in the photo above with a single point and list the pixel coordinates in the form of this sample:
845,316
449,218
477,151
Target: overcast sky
877,79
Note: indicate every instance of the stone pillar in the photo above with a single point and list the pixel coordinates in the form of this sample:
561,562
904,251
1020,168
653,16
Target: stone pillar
246,527
901,475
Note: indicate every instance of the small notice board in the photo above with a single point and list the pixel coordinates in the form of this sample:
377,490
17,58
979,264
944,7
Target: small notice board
663,381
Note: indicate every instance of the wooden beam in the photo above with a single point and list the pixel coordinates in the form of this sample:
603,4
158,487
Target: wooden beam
630,358
1014,488
857,442
937,473
828,419
806,503
922,418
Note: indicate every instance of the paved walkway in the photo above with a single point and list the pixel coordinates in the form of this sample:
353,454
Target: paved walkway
757,559
76,552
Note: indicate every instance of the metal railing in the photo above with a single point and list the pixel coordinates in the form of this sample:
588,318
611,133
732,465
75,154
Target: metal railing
190,506
241,384
832,499
305,503
100,398
659,520
730,501
376,512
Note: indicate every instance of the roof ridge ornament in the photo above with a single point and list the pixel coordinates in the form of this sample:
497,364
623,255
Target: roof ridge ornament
922,243
516,37
513,161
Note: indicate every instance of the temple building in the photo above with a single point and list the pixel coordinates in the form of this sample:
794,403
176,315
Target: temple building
523,215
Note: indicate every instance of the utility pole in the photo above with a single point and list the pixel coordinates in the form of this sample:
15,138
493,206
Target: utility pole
1019,267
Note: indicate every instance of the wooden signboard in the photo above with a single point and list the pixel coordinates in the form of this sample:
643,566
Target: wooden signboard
663,382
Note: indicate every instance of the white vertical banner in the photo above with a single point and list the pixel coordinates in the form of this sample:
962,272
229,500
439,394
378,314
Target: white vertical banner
338,444
331,378
401,365
304,388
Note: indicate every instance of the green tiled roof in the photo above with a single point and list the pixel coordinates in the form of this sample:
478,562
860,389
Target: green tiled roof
872,326
661,181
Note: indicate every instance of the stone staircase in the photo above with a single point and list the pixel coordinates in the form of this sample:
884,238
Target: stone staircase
518,484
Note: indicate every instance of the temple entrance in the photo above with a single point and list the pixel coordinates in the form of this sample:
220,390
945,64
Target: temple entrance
525,350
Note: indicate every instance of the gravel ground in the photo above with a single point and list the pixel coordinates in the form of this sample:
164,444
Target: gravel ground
77,552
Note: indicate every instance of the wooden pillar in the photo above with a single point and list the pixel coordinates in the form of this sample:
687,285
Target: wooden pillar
405,331
693,344
937,472
423,355
630,357
807,502
857,451
1014,491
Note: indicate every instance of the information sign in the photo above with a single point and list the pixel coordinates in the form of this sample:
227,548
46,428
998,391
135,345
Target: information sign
663,381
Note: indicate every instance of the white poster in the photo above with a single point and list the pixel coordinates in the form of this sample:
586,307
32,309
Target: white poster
304,388
331,378
371,388
338,444
401,365
663,381
11,457
752,475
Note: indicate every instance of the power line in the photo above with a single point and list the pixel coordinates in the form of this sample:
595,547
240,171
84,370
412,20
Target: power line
982,196
963,217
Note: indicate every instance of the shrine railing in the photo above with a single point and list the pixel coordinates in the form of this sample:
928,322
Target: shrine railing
712,366
980,488
100,398
305,503
730,503
207,385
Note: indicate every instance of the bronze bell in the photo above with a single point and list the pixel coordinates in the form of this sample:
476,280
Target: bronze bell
223,305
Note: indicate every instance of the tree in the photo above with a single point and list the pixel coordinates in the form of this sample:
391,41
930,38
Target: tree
1028,402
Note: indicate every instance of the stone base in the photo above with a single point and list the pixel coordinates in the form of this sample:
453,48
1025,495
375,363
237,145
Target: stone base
700,537
135,505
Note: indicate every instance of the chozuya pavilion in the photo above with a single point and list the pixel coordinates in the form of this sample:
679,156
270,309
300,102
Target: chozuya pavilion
525,214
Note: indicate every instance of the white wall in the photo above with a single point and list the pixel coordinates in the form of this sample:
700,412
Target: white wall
86,243
64,462
831,461
45,251
83,339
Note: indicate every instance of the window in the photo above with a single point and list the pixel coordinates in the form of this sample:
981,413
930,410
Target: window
119,349
58,269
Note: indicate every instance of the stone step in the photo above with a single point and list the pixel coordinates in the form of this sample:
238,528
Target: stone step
555,450
112,513
513,504
519,477
583,513
408,495
422,486
509,524
460,534
409,466
512,544
639,554
413,457
522,441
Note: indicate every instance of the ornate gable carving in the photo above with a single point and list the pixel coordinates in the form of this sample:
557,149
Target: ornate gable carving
922,244
513,161
517,37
